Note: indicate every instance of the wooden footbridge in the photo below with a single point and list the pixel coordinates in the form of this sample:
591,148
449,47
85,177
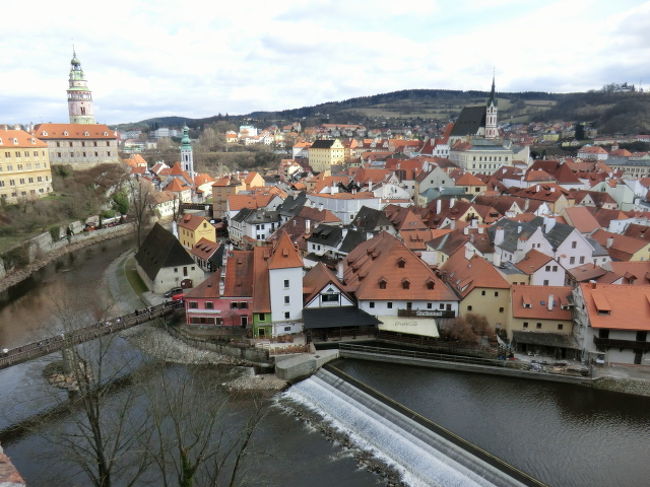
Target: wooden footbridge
70,338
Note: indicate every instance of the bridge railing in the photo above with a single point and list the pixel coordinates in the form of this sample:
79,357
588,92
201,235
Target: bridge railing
55,343
420,355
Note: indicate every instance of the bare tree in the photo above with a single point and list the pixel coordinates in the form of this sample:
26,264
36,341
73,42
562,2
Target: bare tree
141,199
192,442
100,432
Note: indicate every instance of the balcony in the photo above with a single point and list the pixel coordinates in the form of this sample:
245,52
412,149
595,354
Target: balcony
425,313
604,343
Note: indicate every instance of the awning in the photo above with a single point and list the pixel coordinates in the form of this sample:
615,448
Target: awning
336,317
413,326
545,339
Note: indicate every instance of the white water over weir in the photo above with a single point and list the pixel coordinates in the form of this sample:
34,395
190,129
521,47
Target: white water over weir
422,456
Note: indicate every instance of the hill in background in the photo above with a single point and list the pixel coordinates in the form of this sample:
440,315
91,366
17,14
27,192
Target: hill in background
609,112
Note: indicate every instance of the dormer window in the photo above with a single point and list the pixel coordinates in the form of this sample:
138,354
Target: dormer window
86,134
105,134
65,133
15,141
382,284
406,284
401,263
44,133
430,284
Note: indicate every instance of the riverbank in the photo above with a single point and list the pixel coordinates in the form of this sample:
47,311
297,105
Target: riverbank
76,242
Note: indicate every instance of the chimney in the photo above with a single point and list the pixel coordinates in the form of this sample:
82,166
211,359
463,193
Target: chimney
466,231
518,229
610,241
452,202
537,188
307,225
340,268
496,260
593,284
499,236
370,186
438,206
551,302
481,230
549,223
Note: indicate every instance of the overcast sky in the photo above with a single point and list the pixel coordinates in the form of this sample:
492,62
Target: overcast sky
196,59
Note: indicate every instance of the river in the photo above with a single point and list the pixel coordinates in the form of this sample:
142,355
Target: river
564,435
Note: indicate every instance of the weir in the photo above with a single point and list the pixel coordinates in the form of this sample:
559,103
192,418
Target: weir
424,457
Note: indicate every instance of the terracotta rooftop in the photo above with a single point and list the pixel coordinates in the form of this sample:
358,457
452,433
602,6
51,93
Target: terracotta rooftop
74,131
533,260
284,254
261,291
239,274
207,289
19,139
466,275
581,218
192,222
541,302
617,306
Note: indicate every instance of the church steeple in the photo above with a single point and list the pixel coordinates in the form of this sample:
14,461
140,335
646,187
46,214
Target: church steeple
491,130
187,156
80,98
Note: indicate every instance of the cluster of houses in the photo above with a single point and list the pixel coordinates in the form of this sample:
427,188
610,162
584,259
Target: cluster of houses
401,239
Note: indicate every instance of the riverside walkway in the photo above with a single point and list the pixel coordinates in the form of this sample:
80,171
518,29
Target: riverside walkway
70,338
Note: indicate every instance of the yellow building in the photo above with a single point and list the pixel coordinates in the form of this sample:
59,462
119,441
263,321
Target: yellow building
24,166
482,289
253,180
323,154
193,228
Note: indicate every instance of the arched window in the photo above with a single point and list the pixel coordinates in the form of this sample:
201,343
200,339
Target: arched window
401,263
406,284
382,284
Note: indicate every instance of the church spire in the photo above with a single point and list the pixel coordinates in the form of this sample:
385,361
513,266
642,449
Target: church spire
491,130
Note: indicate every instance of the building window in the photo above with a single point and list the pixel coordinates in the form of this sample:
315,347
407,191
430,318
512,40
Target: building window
574,244
582,259
554,268
496,293
286,283
209,305
429,305
539,326
261,316
483,292
194,304
525,324
501,309
406,285
330,298
560,326
286,317
382,284
371,304
572,260
548,268
442,306
469,308
545,282
286,300
389,305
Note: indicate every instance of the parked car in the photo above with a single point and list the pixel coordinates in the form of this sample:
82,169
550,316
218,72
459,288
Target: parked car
173,291
178,297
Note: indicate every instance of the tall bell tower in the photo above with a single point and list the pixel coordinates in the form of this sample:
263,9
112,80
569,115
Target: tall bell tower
491,131
80,98
187,157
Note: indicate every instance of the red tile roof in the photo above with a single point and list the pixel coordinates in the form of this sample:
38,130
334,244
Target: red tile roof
316,279
74,131
617,306
466,275
581,218
192,222
284,254
383,268
207,289
533,261
261,291
239,274
541,302
22,139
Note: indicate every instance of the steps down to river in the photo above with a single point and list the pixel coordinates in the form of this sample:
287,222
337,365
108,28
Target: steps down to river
423,457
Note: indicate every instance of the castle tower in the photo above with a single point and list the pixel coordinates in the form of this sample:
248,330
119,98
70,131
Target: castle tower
491,131
187,158
80,98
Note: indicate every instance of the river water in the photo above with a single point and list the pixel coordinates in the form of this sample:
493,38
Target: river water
564,435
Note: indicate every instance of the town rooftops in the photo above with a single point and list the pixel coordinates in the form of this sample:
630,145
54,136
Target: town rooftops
617,306
239,274
192,222
207,289
465,275
581,218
